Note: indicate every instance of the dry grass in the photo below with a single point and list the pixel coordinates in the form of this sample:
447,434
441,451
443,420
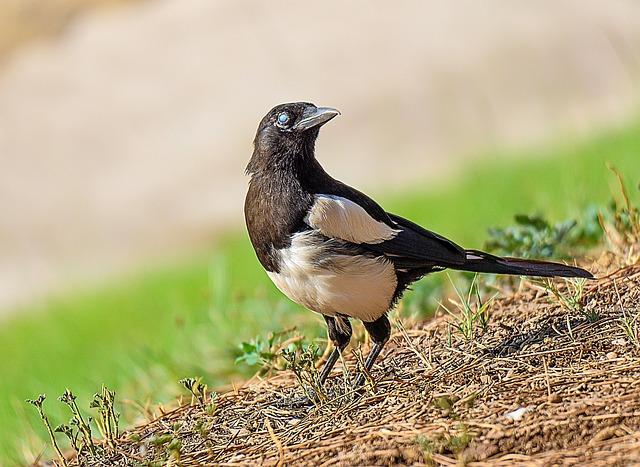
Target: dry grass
541,385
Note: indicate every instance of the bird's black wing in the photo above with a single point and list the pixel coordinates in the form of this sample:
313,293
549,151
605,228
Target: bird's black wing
346,214
414,246
417,247
355,218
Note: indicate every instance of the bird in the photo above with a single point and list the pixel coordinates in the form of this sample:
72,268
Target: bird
333,249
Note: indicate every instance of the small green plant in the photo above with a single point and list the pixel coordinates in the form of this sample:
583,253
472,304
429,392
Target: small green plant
571,296
161,440
629,324
70,433
470,316
621,222
82,439
197,388
212,406
37,403
303,364
531,237
108,418
173,449
266,352
202,428
454,442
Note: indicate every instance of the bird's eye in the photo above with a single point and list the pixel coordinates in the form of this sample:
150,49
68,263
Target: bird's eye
283,118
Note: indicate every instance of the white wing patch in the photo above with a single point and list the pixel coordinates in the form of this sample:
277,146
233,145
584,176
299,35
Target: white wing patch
338,217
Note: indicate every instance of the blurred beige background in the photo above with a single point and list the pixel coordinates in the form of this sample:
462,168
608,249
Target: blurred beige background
124,137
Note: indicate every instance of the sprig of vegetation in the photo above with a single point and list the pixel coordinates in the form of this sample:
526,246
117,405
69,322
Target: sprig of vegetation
535,237
197,388
108,418
71,434
629,324
267,352
302,362
621,222
37,403
470,316
454,442
570,296
77,420
78,430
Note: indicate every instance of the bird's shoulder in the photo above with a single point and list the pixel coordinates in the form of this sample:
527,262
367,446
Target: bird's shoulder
343,212
337,189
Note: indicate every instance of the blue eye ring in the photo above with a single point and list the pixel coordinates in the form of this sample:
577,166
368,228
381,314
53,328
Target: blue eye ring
283,118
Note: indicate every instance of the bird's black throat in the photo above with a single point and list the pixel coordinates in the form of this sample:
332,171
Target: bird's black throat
279,195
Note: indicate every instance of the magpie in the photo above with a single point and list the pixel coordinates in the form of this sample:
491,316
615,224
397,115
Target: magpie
334,250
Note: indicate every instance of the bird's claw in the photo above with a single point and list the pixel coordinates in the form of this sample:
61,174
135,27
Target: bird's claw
307,400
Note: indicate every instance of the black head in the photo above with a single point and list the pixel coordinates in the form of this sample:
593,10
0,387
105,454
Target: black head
286,135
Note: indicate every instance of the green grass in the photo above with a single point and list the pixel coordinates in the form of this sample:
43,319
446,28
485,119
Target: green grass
143,333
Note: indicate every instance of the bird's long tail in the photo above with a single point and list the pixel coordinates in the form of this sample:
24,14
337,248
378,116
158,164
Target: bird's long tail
479,261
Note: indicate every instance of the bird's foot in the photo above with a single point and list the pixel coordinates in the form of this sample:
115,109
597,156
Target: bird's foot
363,383
309,399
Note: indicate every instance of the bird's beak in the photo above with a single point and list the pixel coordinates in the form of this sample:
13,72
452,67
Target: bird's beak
315,116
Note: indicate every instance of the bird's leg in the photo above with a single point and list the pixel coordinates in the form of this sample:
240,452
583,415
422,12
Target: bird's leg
380,331
340,334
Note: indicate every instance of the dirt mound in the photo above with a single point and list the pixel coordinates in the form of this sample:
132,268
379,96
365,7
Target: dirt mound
549,380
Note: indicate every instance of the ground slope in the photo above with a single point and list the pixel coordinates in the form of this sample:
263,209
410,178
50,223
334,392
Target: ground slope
546,382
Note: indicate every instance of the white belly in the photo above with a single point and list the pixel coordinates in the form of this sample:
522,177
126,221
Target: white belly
334,283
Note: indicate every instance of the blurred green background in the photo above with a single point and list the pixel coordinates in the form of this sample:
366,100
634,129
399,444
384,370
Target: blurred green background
125,128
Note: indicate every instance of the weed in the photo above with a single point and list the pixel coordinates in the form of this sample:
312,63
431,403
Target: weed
266,352
445,442
303,364
531,237
621,222
411,344
135,437
197,388
107,416
570,297
38,405
202,428
470,316
77,420
161,440
212,406
173,448
629,324
69,433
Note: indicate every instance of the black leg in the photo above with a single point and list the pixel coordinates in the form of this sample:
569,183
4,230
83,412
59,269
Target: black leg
340,334
380,331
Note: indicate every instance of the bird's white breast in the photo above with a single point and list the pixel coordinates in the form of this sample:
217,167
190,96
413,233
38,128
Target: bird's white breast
328,281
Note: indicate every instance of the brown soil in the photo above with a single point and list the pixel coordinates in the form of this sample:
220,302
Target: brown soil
440,399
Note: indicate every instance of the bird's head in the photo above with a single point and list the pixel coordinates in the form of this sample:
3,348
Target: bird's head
287,134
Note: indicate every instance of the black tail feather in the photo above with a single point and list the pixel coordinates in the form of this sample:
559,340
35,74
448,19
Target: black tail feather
479,261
